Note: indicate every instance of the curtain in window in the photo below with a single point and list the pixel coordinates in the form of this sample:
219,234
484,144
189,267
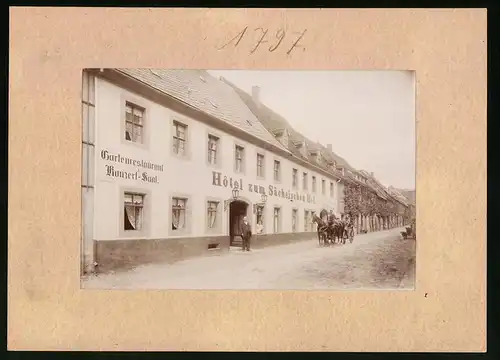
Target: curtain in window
129,218
260,218
138,116
138,218
179,218
137,135
212,214
128,131
213,218
175,218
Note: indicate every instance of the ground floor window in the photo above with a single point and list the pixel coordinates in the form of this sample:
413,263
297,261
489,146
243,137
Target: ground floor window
277,219
311,222
294,220
134,206
212,210
259,227
306,220
178,213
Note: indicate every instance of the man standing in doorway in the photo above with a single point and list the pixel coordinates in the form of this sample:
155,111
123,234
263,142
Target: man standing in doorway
246,234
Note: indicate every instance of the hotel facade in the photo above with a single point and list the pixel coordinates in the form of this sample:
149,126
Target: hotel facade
172,161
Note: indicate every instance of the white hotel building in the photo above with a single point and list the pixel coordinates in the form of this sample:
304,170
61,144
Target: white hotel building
172,159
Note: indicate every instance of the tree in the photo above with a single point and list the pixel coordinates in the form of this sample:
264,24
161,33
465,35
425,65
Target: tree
350,199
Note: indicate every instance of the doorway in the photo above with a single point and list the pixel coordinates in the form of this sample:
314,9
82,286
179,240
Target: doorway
237,211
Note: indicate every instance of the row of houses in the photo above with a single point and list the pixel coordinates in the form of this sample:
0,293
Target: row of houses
173,159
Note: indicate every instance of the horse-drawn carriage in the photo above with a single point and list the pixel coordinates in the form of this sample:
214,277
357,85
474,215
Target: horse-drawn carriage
332,230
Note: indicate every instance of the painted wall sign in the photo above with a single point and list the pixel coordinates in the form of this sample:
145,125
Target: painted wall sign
224,181
137,175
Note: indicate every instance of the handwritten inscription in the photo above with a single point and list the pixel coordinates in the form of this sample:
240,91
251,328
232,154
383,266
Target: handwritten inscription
274,40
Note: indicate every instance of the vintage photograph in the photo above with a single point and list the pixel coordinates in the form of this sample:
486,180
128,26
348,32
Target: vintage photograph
248,179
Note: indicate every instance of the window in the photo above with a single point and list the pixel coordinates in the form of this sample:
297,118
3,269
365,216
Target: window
212,209
238,158
304,180
294,178
133,123
331,189
178,213
314,184
277,170
179,137
134,206
312,223
323,187
260,165
306,220
294,220
213,141
260,219
277,219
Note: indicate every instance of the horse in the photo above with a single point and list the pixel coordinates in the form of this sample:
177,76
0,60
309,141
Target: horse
338,231
322,229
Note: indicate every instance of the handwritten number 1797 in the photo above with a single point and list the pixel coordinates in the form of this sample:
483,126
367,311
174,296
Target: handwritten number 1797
263,38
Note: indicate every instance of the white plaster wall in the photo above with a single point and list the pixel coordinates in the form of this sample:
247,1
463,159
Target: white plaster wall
193,177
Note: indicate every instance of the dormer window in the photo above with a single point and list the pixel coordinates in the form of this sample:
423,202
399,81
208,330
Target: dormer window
282,136
304,149
317,156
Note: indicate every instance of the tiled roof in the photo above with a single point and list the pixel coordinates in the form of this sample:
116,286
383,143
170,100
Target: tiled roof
273,121
400,197
202,91
408,194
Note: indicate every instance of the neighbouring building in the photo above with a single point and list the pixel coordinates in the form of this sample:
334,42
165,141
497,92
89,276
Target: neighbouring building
173,159
303,150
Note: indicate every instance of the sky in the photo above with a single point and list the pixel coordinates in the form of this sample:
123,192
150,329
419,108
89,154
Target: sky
367,116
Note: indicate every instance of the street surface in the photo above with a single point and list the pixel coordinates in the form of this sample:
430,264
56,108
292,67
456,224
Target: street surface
379,260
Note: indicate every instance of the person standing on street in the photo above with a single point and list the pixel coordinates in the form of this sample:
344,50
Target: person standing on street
246,230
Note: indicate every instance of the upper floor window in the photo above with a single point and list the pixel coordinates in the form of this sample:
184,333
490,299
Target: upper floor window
260,165
213,142
179,138
304,180
277,170
323,187
239,158
331,189
314,184
134,123
295,178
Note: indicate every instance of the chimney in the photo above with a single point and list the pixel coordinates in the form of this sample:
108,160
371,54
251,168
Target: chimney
329,147
372,174
256,94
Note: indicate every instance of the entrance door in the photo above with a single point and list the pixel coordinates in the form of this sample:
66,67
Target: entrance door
237,211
